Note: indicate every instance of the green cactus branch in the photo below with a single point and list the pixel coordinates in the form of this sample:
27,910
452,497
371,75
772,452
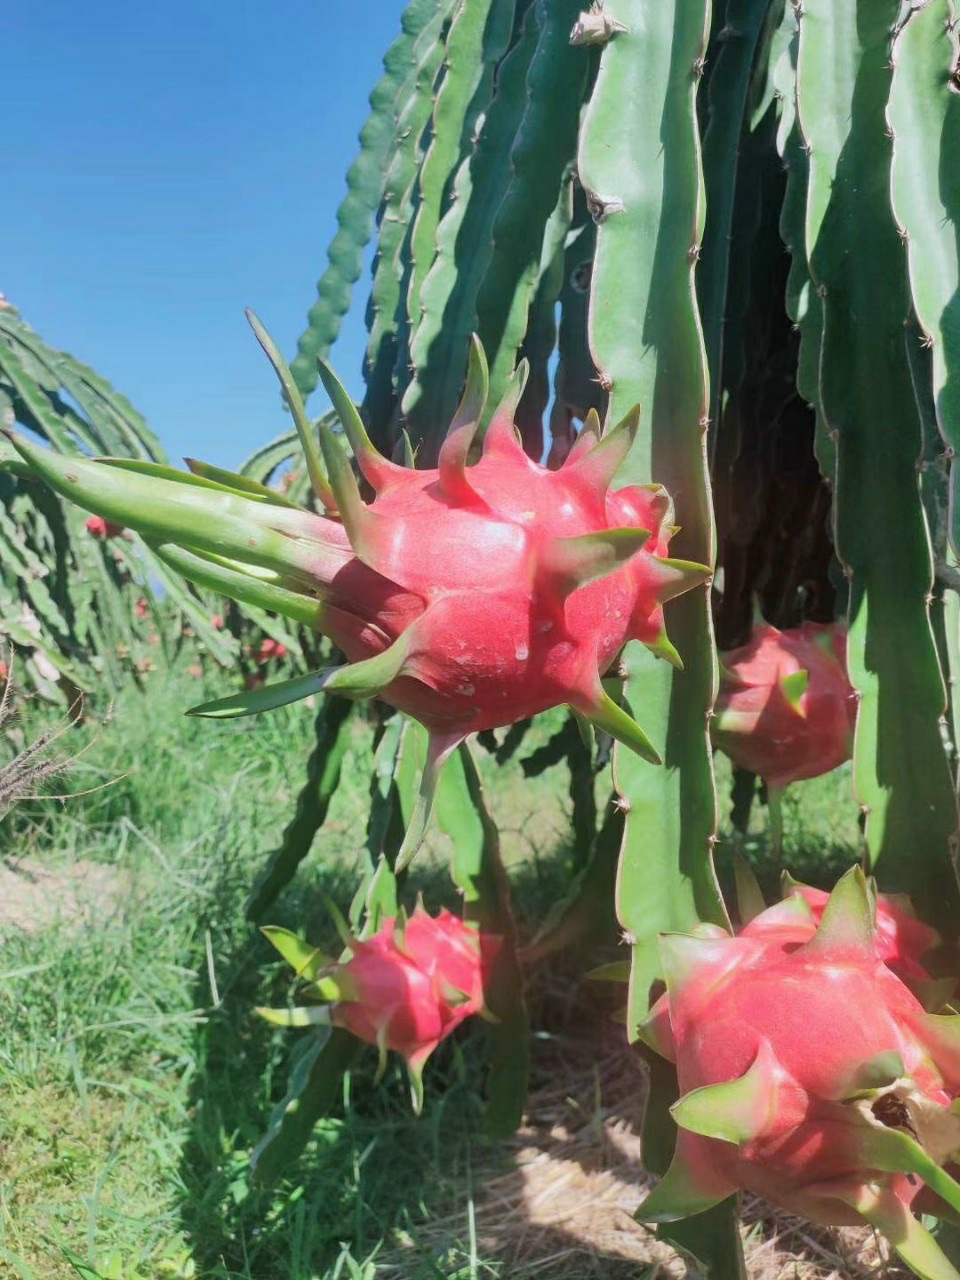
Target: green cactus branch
901,775
646,193
543,148
386,308
924,115
365,186
448,296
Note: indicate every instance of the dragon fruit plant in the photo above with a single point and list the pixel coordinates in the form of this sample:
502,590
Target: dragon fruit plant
404,988
468,596
808,1074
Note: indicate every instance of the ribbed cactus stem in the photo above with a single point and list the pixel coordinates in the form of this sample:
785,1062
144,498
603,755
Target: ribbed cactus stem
901,775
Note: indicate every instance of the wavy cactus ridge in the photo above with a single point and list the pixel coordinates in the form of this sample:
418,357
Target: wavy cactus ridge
845,76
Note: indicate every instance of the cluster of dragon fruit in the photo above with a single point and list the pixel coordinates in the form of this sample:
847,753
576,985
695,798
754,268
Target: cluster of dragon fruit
815,1065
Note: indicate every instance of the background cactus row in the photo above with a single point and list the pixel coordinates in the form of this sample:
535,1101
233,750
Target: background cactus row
87,605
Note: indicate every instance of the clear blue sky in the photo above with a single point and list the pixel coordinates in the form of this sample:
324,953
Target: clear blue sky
167,165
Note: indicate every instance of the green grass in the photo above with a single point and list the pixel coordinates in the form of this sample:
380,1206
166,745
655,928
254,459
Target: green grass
134,1076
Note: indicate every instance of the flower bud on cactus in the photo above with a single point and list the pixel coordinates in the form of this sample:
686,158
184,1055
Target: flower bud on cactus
406,987
786,709
469,596
809,1074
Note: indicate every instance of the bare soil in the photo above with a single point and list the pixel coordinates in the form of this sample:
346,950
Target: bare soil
35,897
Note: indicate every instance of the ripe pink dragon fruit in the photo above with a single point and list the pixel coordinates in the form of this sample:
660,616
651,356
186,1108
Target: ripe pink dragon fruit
786,709
406,987
469,596
809,1074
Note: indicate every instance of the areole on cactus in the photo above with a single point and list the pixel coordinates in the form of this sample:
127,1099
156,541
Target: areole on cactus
469,596
809,1074
405,988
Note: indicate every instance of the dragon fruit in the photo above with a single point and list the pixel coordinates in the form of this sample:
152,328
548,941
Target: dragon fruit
469,597
786,709
406,987
809,1075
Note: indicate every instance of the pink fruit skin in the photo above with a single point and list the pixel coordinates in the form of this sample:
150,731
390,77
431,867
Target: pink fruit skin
756,724
823,1013
494,639
409,994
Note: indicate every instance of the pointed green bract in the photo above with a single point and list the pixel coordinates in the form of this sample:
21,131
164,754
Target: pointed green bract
454,451
750,901
679,1194
598,465
573,562
912,1241
849,918
358,520
238,483
793,687
370,677
304,959
253,701
305,430
738,1110
439,748
501,430
876,1073
239,585
165,510
376,470
607,715
314,1016
679,576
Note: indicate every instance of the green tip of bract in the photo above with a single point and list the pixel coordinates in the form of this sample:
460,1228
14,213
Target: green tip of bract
608,716
736,1111
793,687
291,394
573,562
681,1194
307,961
375,468
849,918
455,450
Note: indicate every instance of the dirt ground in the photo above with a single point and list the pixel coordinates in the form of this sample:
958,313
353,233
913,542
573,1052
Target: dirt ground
34,896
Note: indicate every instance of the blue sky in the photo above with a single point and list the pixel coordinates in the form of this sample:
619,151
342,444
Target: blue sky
168,165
